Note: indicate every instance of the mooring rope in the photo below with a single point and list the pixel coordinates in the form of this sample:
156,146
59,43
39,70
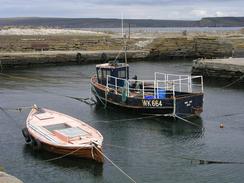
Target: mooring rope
96,94
10,117
204,161
189,122
16,109
115,165
128,119
200,161
18,77
89,101
20,109
60,157
122,50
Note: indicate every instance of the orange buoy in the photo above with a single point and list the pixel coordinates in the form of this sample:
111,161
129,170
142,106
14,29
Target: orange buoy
221,125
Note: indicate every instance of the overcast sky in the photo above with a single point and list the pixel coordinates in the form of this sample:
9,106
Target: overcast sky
140,9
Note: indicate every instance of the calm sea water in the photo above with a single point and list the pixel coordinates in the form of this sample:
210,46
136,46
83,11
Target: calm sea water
149,150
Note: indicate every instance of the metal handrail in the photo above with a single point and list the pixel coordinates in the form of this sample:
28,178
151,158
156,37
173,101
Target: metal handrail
169,85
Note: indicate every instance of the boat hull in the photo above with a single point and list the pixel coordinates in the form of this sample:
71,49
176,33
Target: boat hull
82,152
185,106
62,134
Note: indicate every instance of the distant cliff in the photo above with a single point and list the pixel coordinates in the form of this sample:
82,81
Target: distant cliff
115,23
222,22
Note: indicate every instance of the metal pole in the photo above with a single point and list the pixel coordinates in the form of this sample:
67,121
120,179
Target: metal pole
143,87
174,110
188,87
190,84
116,85
107,82
202,83
154,83
128,88
180,83
167,81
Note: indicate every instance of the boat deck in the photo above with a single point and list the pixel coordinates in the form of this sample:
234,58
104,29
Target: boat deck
61,129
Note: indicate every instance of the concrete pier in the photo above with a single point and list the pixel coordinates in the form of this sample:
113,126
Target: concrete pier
229,68
18,59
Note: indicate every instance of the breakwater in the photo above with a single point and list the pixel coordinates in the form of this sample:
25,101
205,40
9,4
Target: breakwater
27,47
18,59
229,68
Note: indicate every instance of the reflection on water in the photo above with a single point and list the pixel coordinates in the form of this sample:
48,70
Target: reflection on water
145,122
148,149
67,163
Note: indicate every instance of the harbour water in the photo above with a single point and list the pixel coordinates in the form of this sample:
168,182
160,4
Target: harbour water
149,150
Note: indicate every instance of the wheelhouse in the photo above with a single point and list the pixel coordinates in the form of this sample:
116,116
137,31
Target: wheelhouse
110,71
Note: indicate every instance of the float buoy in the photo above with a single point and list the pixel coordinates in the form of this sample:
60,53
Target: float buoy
36,144
26,135
79,58
104,58
221,125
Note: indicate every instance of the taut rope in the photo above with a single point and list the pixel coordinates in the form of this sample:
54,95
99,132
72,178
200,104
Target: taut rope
115,165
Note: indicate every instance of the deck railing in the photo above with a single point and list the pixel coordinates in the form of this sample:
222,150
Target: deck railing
166,84
182,83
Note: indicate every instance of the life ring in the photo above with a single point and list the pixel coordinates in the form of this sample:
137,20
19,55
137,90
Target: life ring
26,135
79,58
103,58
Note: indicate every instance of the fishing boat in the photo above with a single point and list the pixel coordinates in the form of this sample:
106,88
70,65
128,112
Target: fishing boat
165,95
62,134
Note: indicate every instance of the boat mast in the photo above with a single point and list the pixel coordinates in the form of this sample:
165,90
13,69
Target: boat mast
125,46
122,25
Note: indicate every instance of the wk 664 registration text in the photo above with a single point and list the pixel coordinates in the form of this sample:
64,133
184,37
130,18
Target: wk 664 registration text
152,103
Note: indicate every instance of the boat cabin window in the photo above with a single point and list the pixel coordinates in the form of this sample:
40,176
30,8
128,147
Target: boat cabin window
99,74
116,71
106,73
121,74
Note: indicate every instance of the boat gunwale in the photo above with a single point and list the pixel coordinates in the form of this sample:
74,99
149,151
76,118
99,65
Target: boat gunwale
34,133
